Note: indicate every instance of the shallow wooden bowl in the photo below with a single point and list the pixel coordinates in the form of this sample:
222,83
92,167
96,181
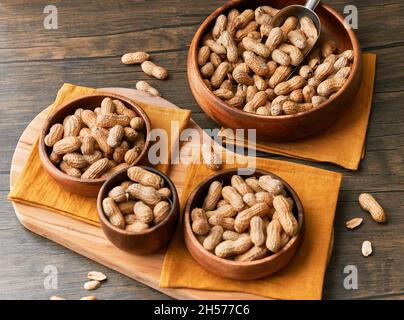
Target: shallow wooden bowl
88,188
149,240
229,268
286,127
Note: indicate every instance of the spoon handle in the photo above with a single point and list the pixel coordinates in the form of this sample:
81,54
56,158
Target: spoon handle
312,4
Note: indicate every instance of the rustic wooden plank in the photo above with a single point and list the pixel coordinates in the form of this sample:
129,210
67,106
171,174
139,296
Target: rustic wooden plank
24,271
121,23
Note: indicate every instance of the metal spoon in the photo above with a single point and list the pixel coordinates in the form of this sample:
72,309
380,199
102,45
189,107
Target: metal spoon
299,12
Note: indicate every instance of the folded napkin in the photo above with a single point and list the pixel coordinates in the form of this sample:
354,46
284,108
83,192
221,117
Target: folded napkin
36,188
303,277
343,143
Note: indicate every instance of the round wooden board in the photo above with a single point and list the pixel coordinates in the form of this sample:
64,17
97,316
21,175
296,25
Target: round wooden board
89,240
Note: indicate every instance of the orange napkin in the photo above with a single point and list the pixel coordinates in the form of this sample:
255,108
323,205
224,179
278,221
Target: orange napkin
344,142
36,188
303,278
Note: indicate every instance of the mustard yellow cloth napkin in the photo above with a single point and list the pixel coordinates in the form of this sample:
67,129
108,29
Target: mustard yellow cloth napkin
303,277
343,143
36,188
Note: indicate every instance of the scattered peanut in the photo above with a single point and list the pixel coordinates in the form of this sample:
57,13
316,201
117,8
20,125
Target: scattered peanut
369,203
354,223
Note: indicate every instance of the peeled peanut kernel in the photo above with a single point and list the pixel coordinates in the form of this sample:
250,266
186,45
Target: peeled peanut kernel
146,87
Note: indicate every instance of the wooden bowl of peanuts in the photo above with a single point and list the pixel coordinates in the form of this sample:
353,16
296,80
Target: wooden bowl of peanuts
243,226
138,209
90,138
239,69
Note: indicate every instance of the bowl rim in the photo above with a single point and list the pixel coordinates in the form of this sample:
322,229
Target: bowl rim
103,192
232,263
50,121
193,54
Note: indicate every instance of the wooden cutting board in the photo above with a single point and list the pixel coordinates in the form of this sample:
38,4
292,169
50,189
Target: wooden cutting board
89,240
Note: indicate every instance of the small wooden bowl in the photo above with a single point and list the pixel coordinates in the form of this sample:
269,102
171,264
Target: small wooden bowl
149,240
88,188
234,269
286,127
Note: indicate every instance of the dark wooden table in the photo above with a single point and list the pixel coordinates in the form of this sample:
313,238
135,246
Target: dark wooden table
86,50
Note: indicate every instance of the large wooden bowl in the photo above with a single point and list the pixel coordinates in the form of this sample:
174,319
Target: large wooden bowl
149,240
88,188
286,127
234,269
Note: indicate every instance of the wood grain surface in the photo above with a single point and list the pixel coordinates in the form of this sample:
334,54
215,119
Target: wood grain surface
86,50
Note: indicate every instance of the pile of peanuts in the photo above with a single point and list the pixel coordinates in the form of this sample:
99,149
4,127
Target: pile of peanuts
246,62
96,144
139,203
246,220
